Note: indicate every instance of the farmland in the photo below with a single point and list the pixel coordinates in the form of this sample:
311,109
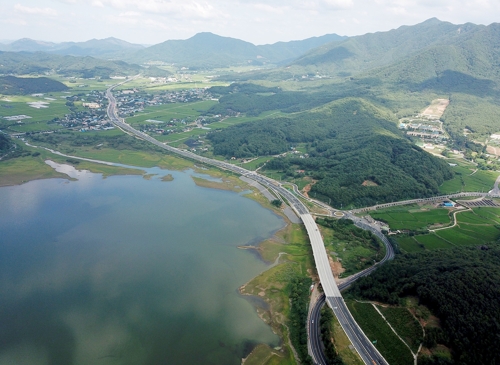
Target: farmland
411,217
479,226
468,178
378,331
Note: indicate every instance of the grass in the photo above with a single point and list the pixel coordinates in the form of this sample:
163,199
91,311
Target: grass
22,169
481,180
432,241
343,345
167,112
269,285
254,164
409,244
376,329
411,218
403,322
355,254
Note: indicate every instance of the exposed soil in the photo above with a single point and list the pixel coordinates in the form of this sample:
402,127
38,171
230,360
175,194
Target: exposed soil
437,108
369,183
336,267
493,150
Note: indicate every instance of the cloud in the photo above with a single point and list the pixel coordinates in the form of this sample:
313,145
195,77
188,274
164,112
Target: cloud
337,4
35,11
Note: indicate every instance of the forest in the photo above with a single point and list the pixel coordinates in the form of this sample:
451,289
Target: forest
10,85
460,286
354,151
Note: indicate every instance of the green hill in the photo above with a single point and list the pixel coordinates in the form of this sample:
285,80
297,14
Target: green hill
23,85
460,286
23,63
375,50
208,50
349,142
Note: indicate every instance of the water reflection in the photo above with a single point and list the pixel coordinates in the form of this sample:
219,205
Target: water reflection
125,270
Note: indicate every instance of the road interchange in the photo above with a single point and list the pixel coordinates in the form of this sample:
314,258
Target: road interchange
332,295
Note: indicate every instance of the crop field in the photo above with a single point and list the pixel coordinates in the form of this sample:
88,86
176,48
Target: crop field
466,180
253,165
18,105
376,329
409,244
403,322
167,112
432,242
412,219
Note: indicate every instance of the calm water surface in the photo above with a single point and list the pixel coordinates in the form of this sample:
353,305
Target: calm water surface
125,270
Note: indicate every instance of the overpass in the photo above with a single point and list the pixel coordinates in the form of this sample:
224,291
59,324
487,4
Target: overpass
361,343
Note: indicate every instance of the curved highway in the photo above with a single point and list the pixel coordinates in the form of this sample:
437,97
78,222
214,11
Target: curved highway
361,343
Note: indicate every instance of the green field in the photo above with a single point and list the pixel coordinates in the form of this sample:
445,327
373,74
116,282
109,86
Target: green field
376,329
411,217
167,112
403,322
477,227
466,180
432,241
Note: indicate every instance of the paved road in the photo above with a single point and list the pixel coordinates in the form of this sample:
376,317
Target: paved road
334,299
315,343
496,190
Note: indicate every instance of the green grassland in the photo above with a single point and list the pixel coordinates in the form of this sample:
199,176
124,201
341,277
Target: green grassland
465,180
167,112
411,217
191,81
353,247
477,227
296,260
32,167
406,326
376,329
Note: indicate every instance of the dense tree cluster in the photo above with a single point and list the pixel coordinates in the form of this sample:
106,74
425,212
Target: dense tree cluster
326,328
298,289
349,142
21,85
460,286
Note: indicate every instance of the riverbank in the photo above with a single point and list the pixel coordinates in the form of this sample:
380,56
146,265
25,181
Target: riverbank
288,249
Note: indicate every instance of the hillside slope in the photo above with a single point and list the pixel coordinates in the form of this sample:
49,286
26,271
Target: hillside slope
375,50
208,50
349,142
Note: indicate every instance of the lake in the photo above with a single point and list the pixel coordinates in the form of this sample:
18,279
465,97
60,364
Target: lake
125,270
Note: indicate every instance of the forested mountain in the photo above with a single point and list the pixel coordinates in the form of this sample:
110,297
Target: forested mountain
207,50
108,47
461,286
24,85
375,50
22,63
354,148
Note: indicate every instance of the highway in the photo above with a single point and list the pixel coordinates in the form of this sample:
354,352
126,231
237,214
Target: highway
363,346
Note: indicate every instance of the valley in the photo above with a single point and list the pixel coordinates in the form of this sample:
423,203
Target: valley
332,125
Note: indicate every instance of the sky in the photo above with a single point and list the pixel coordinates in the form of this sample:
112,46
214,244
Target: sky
255,21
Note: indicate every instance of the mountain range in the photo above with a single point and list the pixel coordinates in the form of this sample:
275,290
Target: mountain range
205,50
108,47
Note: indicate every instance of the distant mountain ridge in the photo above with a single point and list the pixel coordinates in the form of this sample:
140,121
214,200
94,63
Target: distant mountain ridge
202,50
208,50
108,47
375,50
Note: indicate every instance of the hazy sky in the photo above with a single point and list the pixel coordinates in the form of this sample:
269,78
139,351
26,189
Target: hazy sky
256,21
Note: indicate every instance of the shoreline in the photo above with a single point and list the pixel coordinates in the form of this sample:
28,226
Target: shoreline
275,320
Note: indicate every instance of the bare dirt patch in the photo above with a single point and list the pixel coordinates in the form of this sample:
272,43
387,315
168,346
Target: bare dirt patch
436,109
307,188
493,150
369,183
336,267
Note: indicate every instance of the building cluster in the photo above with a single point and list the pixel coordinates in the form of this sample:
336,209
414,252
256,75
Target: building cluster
423,127
130,102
